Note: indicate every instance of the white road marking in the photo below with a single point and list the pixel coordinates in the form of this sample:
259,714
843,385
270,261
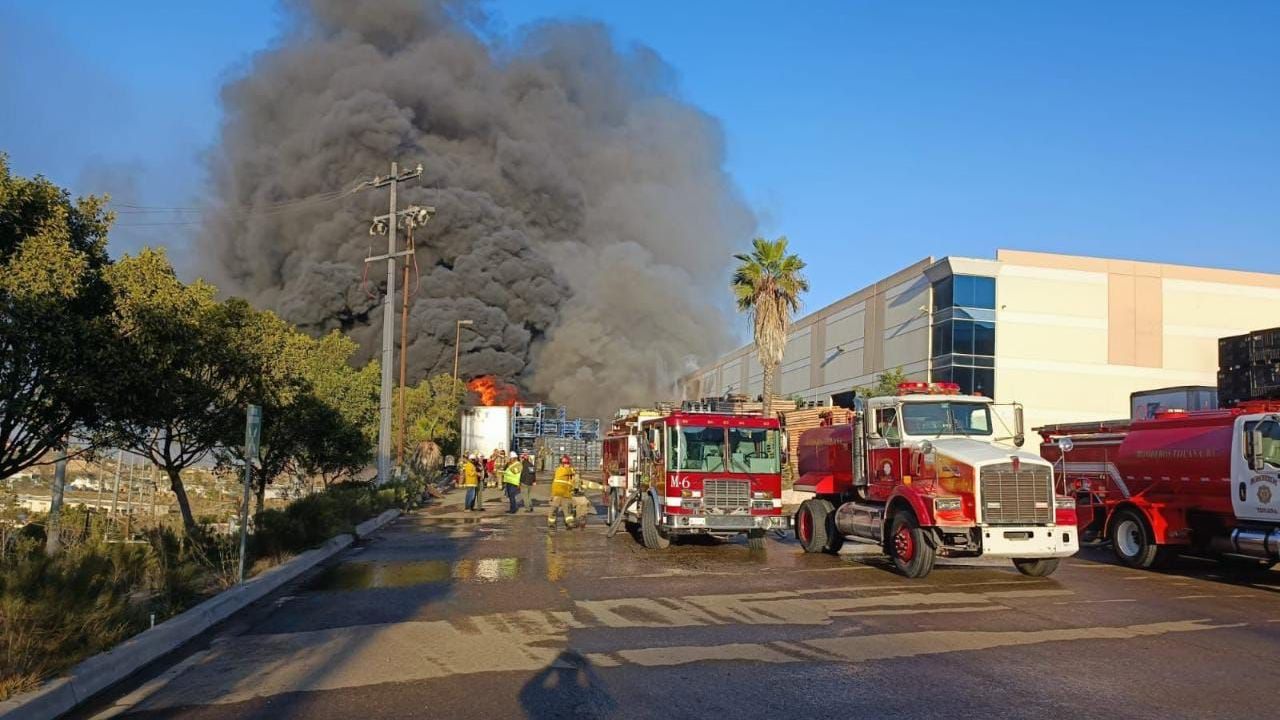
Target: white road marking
1088,602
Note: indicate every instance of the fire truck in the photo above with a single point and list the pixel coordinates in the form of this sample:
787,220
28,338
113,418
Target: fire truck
673,473
924,475
1201,482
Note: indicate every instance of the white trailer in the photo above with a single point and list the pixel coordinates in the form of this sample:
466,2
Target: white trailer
485,428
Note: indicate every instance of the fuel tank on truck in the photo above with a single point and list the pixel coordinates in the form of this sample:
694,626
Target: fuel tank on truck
825,460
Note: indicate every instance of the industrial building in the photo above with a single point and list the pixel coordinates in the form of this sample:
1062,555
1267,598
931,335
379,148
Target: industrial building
1067,336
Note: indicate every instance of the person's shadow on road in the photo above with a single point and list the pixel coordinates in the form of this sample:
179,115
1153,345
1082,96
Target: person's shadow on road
567,688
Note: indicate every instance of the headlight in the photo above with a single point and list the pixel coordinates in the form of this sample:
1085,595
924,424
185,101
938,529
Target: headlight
1064,503
948,503
761,495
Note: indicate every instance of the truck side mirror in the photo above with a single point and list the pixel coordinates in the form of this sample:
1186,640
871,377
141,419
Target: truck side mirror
1256,462
1019,431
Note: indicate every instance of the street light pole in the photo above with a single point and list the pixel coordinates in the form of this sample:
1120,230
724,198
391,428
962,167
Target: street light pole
457,343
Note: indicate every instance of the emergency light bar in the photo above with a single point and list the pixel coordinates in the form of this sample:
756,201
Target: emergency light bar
924,388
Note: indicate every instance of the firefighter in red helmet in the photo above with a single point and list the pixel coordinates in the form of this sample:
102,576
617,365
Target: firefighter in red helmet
563,484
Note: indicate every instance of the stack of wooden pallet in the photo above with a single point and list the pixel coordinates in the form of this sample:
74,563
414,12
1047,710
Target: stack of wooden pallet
740,404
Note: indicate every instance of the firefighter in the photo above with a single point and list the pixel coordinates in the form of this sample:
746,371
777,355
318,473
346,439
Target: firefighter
562,487
511,482
470,478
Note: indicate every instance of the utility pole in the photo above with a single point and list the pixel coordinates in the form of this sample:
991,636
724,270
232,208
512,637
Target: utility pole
388,223
404,354
457,342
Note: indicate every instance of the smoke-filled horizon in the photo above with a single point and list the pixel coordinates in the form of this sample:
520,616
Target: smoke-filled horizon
584,219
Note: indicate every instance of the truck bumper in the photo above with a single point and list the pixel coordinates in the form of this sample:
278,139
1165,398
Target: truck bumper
1033,541
724,523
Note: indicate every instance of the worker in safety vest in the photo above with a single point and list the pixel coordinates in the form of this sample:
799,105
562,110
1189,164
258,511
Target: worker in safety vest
470,480
511,481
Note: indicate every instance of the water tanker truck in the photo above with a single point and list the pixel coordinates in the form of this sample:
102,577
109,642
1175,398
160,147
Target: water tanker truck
1202,482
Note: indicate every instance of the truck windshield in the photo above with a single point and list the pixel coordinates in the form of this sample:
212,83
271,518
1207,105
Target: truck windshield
753,450
697,448
946,418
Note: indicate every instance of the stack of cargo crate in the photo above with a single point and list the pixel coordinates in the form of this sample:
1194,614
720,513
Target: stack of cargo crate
1249,367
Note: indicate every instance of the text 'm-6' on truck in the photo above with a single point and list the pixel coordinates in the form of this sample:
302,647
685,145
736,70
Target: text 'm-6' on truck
678,473
925,474
1203,482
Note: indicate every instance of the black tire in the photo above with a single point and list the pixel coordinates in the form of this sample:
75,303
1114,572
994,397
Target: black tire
1040,567
816,527
614,501
755,539
650,533
1131,541
912,554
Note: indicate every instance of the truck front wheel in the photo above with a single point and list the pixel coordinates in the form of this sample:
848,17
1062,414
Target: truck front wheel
652,535
815,527
755,539
1131,541
912,554
1041,567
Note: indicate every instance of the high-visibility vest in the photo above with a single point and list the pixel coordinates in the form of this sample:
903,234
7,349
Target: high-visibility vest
562,483
469,475
511,475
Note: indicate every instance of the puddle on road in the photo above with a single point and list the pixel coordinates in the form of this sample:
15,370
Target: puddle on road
367,575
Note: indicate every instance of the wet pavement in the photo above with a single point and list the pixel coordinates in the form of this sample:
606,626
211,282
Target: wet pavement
449,614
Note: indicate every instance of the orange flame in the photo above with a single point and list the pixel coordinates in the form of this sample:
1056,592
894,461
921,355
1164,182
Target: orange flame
493,391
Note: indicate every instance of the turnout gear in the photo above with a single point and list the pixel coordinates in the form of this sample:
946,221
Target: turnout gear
563,485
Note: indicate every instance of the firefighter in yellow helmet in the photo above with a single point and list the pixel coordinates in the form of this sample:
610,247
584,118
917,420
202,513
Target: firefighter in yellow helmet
562,486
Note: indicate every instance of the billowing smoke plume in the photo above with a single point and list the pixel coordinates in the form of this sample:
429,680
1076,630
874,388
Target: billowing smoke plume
584,219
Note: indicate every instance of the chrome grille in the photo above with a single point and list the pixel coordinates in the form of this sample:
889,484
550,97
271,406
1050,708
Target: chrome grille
726,496
1024,497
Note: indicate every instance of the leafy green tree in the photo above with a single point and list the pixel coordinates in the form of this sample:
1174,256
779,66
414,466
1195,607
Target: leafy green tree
887,383
54,316
431,411
191,379
344,437
767,284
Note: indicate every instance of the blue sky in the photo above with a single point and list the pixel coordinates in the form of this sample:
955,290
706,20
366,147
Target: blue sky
871,133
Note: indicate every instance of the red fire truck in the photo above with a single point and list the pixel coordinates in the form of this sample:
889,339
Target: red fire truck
1202,482
924,475
677,473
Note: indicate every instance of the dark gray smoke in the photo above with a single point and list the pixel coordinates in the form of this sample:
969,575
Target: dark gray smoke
584,219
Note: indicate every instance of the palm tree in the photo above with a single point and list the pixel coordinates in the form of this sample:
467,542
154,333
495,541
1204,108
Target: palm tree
768,284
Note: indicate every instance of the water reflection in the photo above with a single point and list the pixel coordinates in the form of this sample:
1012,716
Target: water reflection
365,575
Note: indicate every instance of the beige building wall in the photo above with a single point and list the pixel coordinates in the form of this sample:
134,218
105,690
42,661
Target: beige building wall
1074,335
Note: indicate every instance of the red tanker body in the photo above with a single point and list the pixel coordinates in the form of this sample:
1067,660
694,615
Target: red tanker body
923,475
680,473
1200,481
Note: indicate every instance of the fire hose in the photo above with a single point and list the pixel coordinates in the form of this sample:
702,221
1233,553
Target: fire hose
620,518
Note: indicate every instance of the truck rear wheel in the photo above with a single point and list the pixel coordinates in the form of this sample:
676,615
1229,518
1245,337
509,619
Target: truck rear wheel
1039,567
912,554
816,527
652,535
1131,541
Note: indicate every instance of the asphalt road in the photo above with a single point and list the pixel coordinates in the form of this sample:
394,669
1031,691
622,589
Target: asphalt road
449,614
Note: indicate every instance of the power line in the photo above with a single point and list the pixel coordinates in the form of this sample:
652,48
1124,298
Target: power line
270,209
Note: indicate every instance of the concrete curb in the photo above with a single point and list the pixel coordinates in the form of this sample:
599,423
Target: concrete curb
368,527
92,676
